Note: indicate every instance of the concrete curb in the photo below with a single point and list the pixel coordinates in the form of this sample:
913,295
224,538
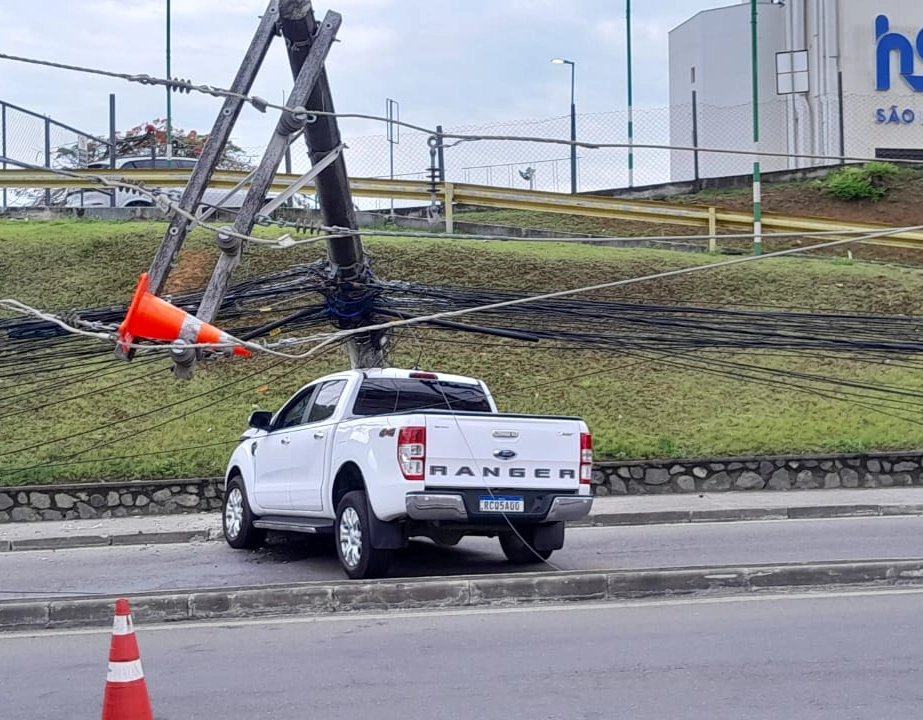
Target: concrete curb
814,512
68,542
811,512
473,591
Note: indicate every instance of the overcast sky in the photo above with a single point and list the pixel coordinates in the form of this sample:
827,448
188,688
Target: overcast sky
455,62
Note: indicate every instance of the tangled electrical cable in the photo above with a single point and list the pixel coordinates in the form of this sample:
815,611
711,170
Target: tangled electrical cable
375,309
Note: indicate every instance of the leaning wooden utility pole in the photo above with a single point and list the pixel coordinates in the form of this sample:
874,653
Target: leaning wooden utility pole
349,295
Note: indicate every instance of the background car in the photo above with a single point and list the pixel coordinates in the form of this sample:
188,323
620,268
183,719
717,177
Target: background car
102,197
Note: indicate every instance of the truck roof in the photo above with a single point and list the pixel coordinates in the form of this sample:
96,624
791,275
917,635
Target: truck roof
405,373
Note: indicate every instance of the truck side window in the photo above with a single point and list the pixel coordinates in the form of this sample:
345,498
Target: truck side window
293,415
325,401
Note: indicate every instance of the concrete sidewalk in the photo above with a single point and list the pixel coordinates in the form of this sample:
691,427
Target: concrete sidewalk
607,511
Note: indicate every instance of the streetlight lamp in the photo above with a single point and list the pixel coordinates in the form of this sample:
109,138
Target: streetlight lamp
573,122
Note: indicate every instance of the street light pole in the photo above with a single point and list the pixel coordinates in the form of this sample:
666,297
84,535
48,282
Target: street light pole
573,121
757,189
169,96
631,124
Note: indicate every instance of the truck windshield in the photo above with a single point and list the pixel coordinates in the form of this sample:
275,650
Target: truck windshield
380,396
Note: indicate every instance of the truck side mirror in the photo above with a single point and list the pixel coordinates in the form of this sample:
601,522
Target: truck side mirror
260,419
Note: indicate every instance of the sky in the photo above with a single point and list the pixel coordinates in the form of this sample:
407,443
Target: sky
458,63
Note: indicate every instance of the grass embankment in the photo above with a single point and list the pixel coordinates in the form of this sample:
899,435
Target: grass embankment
101,418
896,202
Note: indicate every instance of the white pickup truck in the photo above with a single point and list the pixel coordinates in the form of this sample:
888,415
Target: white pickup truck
376,457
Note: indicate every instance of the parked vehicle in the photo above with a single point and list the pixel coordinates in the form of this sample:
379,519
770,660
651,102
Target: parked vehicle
102,197
377,457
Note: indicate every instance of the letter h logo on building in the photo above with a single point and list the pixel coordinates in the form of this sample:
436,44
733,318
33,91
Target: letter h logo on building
888,42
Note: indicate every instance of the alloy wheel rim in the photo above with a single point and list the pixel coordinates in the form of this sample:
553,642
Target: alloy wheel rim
350,537
234,513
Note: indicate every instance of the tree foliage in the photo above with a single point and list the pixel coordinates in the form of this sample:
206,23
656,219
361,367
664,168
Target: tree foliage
151,139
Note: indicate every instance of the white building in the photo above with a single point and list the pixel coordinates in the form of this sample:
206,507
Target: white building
836,77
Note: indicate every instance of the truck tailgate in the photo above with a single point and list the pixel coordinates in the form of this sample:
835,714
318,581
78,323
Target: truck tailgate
503,451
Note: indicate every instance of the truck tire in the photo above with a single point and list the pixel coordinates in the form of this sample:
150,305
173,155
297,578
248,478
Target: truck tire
519,549
354,542
237,519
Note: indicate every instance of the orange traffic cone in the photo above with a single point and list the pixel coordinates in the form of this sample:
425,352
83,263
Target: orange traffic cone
126,692
152,318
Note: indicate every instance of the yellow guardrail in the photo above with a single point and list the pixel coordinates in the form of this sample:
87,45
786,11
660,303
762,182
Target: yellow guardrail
708,218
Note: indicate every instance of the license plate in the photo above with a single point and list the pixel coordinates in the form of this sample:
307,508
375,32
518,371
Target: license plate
502,503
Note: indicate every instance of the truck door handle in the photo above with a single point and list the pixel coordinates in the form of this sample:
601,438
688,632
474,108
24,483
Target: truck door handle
318,435
286,441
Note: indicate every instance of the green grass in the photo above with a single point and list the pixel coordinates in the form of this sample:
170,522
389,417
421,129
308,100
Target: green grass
579,224
134,420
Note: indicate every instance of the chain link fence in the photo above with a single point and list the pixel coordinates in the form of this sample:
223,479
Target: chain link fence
36,139
692,141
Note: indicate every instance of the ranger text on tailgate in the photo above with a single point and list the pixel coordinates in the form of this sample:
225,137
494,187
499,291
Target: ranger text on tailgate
377,457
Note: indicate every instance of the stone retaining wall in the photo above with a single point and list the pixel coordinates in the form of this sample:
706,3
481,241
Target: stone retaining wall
160,497
104,500
781,472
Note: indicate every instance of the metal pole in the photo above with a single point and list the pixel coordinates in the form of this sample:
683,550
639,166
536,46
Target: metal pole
440,153
631,124
3,142
695,139
169,97
112,143
573,129
393,113
573,121
842,119
757,190
390,143
47,158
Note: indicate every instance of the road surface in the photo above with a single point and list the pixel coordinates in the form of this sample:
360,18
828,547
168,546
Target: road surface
110,570
831,656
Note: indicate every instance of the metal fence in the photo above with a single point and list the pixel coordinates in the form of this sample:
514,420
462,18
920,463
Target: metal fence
693,141
30,137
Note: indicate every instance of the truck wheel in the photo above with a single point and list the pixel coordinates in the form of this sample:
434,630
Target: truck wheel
519,549
237,519
354,543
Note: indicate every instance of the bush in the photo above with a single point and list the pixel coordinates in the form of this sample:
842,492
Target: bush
869,182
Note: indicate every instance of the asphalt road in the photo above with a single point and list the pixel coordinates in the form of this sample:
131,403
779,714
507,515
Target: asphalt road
807,657
110,570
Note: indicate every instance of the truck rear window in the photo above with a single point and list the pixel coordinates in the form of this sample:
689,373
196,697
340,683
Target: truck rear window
380,396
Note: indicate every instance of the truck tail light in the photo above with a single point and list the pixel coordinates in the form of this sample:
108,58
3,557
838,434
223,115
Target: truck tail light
411,451
586,458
